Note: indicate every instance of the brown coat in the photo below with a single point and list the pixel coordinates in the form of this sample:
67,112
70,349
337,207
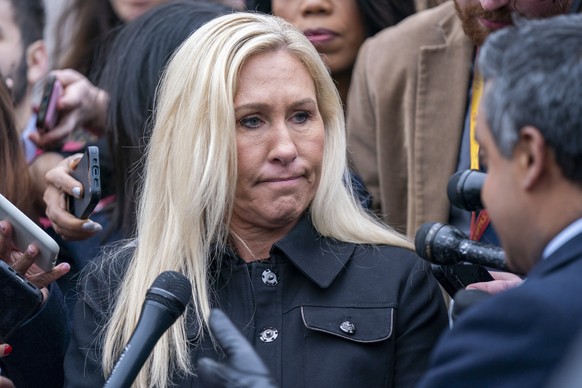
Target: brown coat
406,110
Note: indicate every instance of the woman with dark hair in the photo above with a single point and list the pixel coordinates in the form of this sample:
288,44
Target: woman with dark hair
128,81
85,24
337,28
40,343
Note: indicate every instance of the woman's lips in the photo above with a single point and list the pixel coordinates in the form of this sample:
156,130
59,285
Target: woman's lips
320,35
494,25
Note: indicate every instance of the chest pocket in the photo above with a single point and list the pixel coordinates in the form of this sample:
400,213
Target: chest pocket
365,325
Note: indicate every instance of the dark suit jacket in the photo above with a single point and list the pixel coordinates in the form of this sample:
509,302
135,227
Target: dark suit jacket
516,338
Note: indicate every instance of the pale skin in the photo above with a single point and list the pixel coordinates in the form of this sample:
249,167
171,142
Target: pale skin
280,137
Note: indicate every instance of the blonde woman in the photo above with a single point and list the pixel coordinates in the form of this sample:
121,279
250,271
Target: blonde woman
245,194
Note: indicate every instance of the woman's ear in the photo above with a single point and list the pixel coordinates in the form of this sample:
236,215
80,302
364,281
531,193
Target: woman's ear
532,155
37,61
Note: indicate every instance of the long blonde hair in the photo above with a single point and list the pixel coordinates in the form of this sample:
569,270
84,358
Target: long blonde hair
191,173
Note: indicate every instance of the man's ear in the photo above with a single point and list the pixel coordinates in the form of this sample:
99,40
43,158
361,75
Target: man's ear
531,153
37,61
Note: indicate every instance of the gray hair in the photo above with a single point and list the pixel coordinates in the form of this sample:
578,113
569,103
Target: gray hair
533,75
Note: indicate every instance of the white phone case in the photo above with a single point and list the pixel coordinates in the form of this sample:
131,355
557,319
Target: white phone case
26,232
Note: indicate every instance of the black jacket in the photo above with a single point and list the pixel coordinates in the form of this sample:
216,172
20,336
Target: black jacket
321,313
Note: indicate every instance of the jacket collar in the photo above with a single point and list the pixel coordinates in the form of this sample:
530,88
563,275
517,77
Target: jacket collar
563,256
321,259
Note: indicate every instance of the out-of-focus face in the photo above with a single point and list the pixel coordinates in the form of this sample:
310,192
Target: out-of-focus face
335,28
502,197
127,10
12,58
481,17
280,138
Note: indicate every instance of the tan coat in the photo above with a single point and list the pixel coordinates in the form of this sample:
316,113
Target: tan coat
406,110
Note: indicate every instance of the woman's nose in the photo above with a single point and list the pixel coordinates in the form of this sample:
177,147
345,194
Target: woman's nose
283,148
314,7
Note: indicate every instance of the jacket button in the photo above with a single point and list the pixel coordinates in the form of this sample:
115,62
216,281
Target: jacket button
347,327
269,334
269,278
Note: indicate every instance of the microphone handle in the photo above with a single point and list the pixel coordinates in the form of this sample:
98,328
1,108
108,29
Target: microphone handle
483,255
153,322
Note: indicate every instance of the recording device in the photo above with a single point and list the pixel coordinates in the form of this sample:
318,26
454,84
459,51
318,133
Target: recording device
88,172
165,301
47,116
448,250
19,300
444,244
464,189
26,232
456,277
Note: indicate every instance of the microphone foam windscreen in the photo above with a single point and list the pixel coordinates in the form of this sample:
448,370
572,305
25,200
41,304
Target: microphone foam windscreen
173,290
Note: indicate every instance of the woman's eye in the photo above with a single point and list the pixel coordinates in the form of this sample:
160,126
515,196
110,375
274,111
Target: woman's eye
251,122
301,117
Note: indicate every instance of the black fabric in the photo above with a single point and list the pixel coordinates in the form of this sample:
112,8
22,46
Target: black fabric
387,293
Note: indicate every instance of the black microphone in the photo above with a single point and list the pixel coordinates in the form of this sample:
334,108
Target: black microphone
165,301
446,245
464,189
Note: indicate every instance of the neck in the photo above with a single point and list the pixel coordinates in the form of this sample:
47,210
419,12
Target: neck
555,211
254,243
342,81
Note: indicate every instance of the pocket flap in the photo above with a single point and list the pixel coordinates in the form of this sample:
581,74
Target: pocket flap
354,324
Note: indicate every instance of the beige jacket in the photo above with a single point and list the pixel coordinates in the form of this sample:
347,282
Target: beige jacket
406,110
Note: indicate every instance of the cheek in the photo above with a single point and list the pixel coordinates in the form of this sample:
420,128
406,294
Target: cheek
284,9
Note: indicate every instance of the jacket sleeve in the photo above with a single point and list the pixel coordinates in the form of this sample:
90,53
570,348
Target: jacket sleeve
421,319
39,346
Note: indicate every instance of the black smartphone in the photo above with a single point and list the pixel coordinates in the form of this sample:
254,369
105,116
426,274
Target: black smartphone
89,174
458,276
47,116
19,300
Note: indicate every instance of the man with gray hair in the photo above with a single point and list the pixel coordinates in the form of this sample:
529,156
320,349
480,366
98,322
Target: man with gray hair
528,128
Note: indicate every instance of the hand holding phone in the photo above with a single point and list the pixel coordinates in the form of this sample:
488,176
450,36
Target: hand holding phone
19,300
88,173
27,232
456,277
47,117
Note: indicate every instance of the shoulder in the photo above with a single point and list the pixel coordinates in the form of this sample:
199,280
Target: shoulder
429,27
102,277
390,263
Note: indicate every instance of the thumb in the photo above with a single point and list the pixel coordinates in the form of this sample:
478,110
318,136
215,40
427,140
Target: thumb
213,374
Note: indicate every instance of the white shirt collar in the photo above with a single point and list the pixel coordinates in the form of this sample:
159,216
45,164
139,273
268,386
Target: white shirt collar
562,238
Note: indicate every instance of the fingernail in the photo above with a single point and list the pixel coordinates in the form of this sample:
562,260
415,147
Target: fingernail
91,226
76,192
7,350
30,250
2,227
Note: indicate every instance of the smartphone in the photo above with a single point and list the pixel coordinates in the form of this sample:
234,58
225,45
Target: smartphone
88,173
47,112
19,300
27,232
458,276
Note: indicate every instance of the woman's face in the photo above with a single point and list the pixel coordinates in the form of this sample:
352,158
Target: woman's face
127,10
280,137
334,27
